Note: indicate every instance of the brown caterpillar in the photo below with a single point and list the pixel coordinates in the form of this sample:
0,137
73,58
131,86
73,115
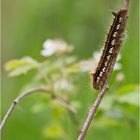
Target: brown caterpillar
111,48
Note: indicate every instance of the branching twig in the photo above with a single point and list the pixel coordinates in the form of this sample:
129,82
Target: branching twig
30,91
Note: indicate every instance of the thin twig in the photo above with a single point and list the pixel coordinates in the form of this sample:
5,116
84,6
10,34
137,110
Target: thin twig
74,120
126,4
64,103
71,111
98,100
30,91
96,104
91,113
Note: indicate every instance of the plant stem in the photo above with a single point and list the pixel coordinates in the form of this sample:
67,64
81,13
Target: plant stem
30,91
98,100
91,113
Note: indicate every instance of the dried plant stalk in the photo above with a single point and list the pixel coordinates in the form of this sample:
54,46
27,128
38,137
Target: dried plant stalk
107,61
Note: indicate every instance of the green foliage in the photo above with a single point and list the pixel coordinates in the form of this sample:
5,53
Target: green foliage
53,131
57,73
82,23
17,67
129,97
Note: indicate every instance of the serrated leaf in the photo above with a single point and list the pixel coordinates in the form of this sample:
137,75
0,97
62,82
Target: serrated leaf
17,67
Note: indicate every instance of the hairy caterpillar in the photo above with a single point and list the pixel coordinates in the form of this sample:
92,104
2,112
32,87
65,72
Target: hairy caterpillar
111,48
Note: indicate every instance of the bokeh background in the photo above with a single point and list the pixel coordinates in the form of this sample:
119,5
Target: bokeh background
83,23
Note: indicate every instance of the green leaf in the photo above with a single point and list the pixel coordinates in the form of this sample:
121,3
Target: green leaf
70,60
73,68
127,88
131,97
53,131
17,67
76,104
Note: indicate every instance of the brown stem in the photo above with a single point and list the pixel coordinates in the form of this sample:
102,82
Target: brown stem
30,91
91,113
96,104
126,4
98,100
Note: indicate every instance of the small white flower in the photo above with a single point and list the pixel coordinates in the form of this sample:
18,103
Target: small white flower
117,66
91,64
62,85
87,65
120,77
96,56
51,47
119,57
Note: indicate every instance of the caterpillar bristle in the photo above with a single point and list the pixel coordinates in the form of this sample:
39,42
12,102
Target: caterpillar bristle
111,48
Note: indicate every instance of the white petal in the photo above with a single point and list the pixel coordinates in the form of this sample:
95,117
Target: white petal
119,57
96,55
47,52
48,44
117,66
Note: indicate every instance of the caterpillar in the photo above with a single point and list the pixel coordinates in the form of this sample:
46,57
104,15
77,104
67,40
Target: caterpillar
111,48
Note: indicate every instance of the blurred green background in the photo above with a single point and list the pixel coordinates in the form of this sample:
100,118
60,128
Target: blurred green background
83,23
